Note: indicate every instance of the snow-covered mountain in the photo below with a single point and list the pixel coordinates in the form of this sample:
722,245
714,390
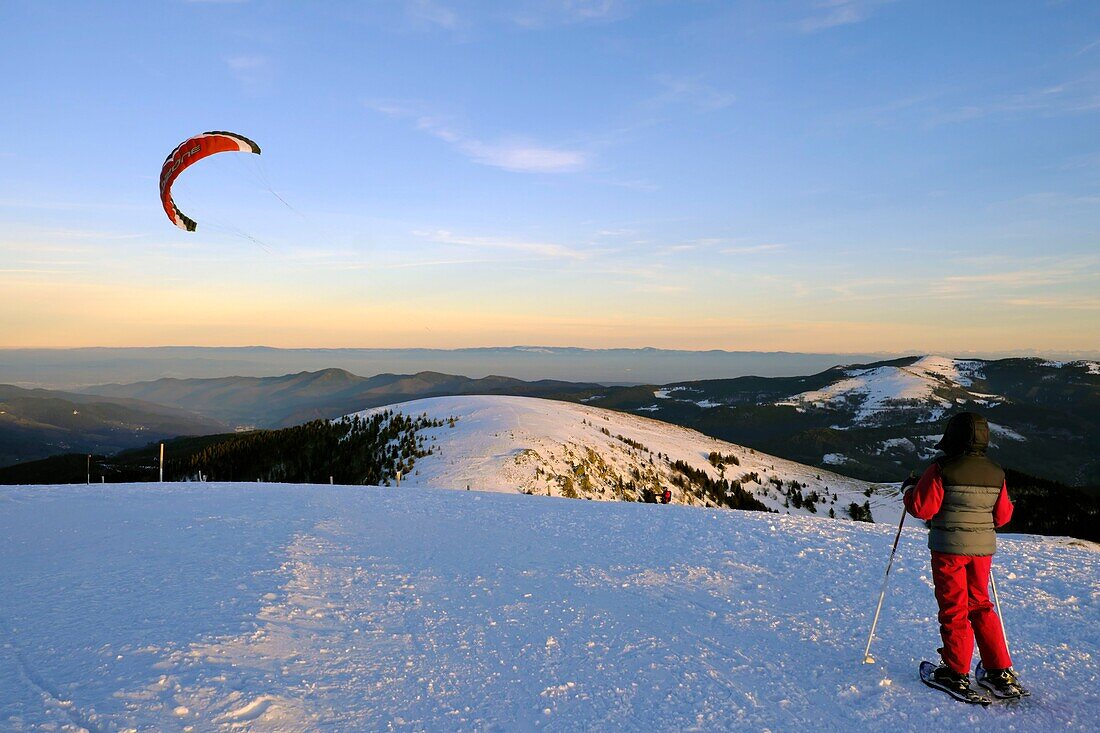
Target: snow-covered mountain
276,607
880,420
923,391
553,448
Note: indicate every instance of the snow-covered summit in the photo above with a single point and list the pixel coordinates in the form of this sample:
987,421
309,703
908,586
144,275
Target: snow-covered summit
547,447
931,385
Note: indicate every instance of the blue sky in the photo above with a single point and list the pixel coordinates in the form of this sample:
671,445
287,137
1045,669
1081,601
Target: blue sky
806,176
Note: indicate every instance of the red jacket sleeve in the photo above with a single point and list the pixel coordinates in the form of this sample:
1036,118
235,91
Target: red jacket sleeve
924,500
1002,510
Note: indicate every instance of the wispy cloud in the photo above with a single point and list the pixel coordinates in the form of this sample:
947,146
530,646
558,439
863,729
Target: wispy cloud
753,249
1013,278
518,154
632,184
29,270
721,245
536,14
253,72
409,264
691,91
1066,273
1088,160
513,153
863,289
1068,97
1048,199
833,13
90,234
1089,47
544,250
433,13
947,106
46,205
524,14
660,288
888,111
451,262
616,232
1066,303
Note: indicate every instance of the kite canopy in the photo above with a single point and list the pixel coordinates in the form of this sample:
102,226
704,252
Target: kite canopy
189,152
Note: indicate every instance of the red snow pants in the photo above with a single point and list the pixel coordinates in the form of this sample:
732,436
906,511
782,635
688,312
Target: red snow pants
962,592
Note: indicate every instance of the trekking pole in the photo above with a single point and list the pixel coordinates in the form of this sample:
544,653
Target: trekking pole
867,658
997,603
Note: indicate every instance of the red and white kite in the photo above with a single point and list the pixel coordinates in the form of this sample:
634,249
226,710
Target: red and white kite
189,152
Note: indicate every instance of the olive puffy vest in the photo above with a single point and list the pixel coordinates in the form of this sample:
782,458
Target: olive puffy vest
964,523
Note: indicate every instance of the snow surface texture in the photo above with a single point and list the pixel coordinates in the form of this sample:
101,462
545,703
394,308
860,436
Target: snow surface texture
259,607
515,444
932,384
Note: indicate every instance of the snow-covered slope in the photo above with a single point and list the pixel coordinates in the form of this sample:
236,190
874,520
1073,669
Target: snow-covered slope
930,386
253,607
524,444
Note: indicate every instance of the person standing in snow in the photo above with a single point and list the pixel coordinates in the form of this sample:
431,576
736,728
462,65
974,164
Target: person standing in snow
963,497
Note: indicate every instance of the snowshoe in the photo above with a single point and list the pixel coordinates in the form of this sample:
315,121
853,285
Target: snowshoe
1002,684
954,684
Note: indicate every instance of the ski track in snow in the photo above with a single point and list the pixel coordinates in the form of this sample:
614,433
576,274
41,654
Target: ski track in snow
259,607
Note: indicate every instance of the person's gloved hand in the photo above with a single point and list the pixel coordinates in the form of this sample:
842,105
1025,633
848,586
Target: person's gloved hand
911,481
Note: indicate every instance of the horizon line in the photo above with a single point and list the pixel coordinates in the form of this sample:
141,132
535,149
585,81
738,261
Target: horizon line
978,354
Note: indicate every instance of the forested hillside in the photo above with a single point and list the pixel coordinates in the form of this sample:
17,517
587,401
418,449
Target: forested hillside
358,450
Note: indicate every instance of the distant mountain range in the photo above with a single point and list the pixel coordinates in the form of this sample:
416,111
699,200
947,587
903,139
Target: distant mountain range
274,402
35,423
74,369
874,421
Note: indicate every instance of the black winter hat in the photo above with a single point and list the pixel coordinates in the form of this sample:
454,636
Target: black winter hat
966,432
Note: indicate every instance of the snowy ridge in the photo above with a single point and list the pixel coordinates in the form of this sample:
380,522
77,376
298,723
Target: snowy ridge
931,386
1091,367
211,607
547,447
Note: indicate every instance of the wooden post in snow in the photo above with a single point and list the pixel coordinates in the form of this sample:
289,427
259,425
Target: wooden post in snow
162,462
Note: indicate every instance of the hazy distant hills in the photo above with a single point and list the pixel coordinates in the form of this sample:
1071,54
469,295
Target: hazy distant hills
271,402
38,423
77,368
